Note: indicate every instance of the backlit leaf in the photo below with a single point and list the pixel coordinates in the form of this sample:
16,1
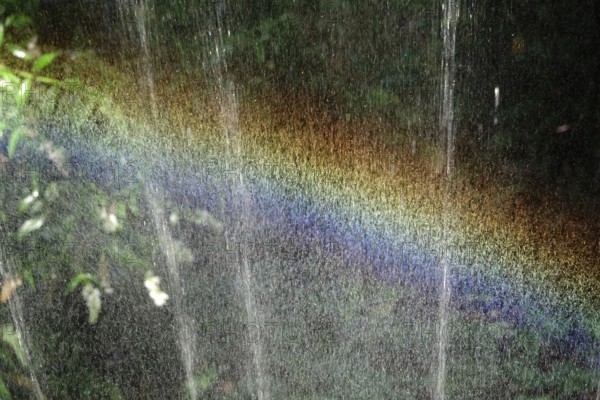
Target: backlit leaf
91,294
43,61
18,52
12,142
30,225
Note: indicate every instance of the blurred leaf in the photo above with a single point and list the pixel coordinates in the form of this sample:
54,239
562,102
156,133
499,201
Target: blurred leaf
79,279
45,79
1,33
111,223
9,335
152,283
6,359
51,193
18,52
27,201
28,277
18,21
91,294
8,81
4,393
7,288
43,61
30,225
25,74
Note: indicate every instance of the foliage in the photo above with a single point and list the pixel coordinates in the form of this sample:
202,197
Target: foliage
20,8
44,208
16,85
382,59
342,51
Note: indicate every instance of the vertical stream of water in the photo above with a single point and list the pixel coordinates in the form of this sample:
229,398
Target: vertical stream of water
450,13
16,311
236,239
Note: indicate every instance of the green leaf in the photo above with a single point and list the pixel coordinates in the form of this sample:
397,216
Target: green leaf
25,74
45,79
20,21
79,279
12,142
28,277
43,61
8,80
9,336
4,393
1,33
6,360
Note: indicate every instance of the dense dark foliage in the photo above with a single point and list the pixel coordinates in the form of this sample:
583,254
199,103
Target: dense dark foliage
382,59
546,62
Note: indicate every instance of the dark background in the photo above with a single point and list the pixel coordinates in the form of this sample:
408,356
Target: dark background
382,59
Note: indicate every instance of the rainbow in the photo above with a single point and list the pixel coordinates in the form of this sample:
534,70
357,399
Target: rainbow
341,193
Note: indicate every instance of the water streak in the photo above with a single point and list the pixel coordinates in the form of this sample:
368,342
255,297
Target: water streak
16,311
236,238
138,11
450,15
186,335
449,22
